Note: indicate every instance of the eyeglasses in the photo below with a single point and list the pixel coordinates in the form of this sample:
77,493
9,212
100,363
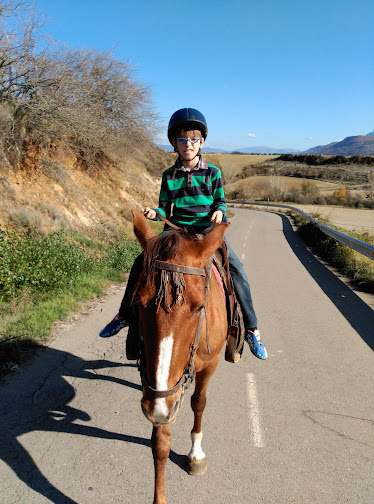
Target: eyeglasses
183,140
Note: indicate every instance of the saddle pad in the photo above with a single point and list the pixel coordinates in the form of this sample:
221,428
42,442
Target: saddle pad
218,278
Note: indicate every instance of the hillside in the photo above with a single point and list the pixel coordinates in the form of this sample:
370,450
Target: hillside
350,146
76,133
51,190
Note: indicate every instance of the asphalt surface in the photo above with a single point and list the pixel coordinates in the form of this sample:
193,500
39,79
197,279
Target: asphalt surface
297,428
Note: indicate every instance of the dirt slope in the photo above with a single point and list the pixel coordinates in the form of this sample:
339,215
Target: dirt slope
54,190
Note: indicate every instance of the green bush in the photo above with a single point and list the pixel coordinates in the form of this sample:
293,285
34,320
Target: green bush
34,268
122,254
356,266
42,263
38,263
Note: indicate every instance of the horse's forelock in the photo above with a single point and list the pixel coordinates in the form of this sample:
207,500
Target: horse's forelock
163,248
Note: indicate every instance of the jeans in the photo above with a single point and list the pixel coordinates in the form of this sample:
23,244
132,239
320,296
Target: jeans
239,278
137,268
242,289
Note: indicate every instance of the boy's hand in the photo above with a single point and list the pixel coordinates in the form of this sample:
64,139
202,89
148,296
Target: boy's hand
149,213
217,217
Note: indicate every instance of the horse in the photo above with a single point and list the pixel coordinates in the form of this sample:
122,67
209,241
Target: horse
183,327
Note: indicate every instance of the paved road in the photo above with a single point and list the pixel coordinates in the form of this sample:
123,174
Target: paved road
298,428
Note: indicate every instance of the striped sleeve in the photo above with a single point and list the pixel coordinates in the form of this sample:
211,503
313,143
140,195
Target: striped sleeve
218,192
164,202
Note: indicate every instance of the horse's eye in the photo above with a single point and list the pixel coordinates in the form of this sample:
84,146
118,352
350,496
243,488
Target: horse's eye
199,309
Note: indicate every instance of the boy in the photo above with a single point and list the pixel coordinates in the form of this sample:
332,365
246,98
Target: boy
192,195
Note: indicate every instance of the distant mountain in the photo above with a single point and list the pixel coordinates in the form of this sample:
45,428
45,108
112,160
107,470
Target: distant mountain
350,146
243,150
214,150
169,148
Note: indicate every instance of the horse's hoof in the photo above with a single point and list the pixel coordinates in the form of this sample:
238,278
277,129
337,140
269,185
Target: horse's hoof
197,467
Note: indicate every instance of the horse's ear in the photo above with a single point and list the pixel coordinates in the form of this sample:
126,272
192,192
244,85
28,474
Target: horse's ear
142,230
212,241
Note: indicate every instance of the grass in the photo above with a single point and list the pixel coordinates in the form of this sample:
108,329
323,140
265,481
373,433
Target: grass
354,265
237,161
288,182
45,278
233,164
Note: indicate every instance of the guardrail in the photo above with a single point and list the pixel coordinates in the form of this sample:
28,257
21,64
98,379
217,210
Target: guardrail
357,245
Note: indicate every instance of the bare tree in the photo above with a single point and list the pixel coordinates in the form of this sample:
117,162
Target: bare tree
49,92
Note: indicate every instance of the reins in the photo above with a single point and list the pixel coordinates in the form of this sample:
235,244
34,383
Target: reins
189,371
168,222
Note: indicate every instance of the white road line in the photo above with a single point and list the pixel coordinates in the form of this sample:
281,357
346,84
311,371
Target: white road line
254,412
243,257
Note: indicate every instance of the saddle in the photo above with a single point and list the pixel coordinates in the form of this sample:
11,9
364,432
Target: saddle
235,323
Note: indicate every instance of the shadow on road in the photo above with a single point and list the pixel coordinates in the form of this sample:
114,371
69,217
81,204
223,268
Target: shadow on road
351,306
38,401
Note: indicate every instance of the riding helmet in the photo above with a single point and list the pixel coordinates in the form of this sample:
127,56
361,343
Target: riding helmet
187,116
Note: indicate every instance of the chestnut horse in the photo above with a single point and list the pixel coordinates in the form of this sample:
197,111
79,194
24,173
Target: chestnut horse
183,327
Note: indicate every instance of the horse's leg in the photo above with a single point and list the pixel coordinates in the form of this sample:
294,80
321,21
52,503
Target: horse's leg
196,458
160,443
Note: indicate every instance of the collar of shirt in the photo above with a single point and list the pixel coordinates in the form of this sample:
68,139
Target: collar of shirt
201,165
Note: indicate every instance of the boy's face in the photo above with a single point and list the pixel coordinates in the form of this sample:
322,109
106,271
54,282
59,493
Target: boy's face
189,150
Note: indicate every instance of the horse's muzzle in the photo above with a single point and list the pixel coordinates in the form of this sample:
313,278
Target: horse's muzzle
161,416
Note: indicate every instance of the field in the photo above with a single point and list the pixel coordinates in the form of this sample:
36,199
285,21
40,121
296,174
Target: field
231,164
250,183
353,219
259,186
282,188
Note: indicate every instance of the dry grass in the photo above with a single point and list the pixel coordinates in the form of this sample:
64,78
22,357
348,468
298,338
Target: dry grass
250,183
353,219
232,164
283,188
58,193
238,160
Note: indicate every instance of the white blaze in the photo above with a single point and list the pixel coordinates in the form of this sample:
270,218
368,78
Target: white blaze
161,411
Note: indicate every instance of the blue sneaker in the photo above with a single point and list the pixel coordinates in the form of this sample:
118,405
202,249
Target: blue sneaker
254,341
113,327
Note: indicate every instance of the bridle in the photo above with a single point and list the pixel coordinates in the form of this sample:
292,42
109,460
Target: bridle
189,371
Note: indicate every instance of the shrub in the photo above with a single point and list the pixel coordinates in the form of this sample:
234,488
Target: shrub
353,264
86,98
122,254
38,263
29,219
56,171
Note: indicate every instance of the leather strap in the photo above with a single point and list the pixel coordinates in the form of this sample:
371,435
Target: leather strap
227,267
168,222
189,270
158,394
189,372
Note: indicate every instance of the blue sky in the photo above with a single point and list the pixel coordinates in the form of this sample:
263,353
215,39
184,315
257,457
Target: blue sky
277,73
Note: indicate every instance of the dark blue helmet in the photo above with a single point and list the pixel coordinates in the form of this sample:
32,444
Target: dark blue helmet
187,117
